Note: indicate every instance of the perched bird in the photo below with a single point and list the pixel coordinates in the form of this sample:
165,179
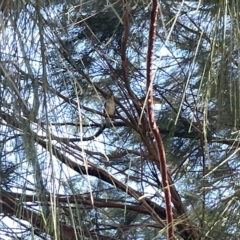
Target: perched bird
109,108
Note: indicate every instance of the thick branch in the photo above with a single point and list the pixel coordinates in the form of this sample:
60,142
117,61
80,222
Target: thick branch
152,122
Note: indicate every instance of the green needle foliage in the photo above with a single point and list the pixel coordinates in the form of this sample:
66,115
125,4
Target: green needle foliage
64,173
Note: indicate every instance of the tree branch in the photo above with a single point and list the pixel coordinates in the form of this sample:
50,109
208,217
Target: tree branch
152,122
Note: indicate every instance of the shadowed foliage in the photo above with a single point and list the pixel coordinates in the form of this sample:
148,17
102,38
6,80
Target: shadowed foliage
67,174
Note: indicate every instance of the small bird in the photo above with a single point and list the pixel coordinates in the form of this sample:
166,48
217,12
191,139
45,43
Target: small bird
109,108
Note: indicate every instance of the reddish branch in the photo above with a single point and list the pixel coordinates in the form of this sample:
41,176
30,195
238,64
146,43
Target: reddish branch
124,42
152,122
125,64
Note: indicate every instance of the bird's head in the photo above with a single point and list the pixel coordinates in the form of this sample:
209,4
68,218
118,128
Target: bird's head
110,97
